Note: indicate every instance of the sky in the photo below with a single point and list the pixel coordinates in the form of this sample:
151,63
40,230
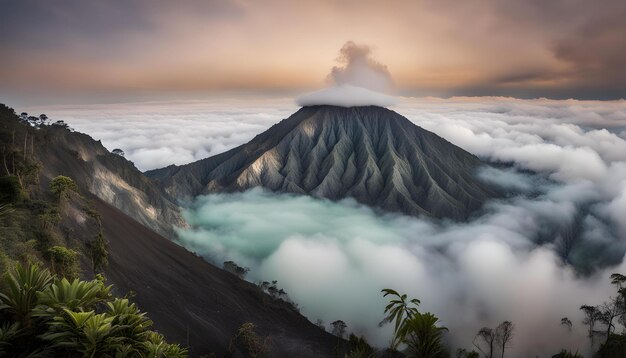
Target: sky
110,51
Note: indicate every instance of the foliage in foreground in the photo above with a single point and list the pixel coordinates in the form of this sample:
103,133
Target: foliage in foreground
417,331
42,315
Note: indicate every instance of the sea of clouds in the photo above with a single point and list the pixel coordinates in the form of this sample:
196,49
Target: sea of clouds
532,258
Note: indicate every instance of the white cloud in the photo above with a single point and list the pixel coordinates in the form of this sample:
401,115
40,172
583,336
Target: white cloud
504,264
334,258
346,96
358,81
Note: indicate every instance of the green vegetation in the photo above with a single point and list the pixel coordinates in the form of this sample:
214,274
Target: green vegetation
398,311
61,186
47,316
39,221
359,348
418,332
99,252
64,262
250,342
10,189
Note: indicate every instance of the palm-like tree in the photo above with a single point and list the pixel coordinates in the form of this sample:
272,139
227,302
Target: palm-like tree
133,323
422,335
398,311
76,295
23,285
85,332
77,318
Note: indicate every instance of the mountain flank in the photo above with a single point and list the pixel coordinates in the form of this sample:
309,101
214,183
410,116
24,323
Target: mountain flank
62,193
371,154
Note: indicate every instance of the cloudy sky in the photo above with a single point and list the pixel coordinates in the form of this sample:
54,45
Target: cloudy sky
103,51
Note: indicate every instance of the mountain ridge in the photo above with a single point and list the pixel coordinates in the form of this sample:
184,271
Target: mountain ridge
368,153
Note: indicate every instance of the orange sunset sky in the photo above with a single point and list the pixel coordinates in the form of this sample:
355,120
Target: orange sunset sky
527,48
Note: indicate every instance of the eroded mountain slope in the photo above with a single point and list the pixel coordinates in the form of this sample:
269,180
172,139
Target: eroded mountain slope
371,154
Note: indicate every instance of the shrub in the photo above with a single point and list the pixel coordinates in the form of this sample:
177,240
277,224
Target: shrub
44,316
99,252
247,339
64,262
233,268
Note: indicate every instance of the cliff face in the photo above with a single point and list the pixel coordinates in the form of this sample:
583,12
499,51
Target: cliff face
371,154
109,177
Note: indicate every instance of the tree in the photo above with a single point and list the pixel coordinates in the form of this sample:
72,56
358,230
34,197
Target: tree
504,335
422,335
233,268
99,252
567,323
61,185
43,119
485,341
609,311
592,315
33,121
23,285
118,151
339,328
398,311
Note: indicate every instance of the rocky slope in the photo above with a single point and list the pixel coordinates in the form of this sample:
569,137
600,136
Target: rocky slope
191,301
371,154
195,303
110,177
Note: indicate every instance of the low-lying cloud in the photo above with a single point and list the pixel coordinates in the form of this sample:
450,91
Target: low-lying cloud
157,134
532,258
334,258
358,81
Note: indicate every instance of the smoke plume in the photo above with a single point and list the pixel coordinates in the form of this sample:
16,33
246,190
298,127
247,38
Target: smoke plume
359,80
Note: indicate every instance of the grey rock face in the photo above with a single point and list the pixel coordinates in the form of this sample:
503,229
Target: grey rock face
108,176
371,154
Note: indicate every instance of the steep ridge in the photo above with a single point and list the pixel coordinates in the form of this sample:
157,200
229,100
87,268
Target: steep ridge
194,302
371,154
191,301
110,177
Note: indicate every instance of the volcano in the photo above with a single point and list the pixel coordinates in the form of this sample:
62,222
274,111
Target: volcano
369,153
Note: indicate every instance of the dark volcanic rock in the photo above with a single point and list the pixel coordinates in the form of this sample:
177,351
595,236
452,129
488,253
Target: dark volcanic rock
369,153
195,303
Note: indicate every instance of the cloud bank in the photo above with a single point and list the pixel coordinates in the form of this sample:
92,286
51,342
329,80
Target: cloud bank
359,81
513,262
334,258
158,134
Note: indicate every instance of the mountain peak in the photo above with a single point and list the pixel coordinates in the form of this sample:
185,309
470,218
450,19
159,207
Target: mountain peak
368,153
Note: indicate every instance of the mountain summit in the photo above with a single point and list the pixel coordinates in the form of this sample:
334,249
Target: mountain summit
369,153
